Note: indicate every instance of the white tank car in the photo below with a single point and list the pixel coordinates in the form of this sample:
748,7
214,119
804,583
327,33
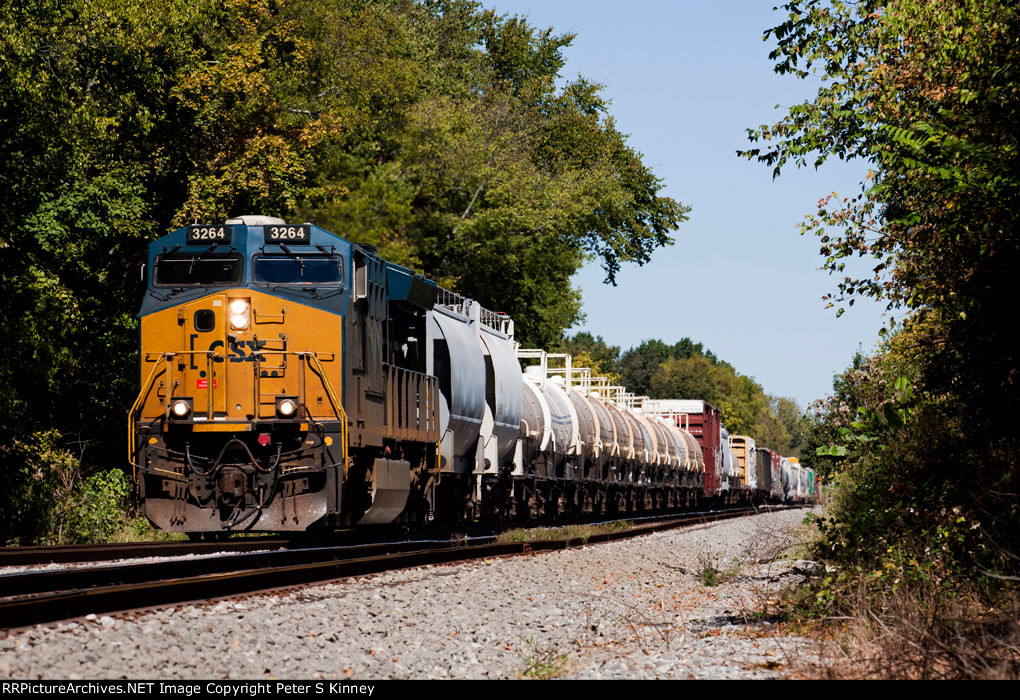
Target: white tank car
481,388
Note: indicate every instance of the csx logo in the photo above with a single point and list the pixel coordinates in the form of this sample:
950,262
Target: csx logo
241,351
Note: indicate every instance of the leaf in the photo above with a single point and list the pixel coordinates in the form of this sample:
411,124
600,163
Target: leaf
891,416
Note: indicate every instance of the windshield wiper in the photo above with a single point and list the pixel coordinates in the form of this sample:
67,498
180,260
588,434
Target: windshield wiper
332,256
198,256
312,292
166,297
295,258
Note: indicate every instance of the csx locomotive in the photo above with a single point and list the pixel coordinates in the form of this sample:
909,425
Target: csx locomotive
291,380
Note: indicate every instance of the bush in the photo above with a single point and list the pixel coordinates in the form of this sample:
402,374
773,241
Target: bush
915,614
51,499
920,529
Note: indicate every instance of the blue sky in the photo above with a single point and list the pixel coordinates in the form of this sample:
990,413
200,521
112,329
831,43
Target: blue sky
686,79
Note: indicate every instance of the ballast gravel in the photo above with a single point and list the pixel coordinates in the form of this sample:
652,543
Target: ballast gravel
679,604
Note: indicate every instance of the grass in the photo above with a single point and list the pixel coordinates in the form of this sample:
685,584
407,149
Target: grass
582,532
139,529
710,574
541,664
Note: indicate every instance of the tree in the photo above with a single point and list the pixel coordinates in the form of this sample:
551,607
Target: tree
592,352
928,93
745,408
638,364
433,129
87,138
791,418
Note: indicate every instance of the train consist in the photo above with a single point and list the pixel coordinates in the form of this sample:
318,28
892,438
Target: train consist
292,380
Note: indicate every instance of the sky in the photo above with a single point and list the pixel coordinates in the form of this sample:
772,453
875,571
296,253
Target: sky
686,79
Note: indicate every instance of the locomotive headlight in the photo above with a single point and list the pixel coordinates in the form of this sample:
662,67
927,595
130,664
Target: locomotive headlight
286,407
239,314
180,408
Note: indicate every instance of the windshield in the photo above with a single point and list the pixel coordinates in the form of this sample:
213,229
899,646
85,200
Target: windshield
299,269
197,270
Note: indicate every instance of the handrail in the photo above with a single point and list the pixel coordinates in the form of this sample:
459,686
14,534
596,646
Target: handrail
337,406
210,356
146,387
410,411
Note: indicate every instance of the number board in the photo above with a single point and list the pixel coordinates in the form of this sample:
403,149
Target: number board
210,234
288,234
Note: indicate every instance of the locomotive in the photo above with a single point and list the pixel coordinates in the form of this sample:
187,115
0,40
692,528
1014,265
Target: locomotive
293,380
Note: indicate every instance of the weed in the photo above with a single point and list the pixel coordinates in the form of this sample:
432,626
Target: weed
710,574
919,631
139,529
910,611
569,532
541,664
654,623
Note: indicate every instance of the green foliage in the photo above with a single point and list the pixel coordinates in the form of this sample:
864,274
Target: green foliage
904,508
638,364
745,407
434,131
55,501
569,532
97,510
942,141
929,94
593,353
688,370
929,560
710,575
541,664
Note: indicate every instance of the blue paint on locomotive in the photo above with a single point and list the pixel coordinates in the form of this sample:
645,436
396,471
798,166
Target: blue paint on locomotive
247,242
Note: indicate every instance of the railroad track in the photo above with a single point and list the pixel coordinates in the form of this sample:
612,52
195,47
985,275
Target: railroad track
40,597
82,553
86,553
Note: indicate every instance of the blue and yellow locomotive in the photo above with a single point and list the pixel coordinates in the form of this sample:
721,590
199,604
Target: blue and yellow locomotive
255,336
